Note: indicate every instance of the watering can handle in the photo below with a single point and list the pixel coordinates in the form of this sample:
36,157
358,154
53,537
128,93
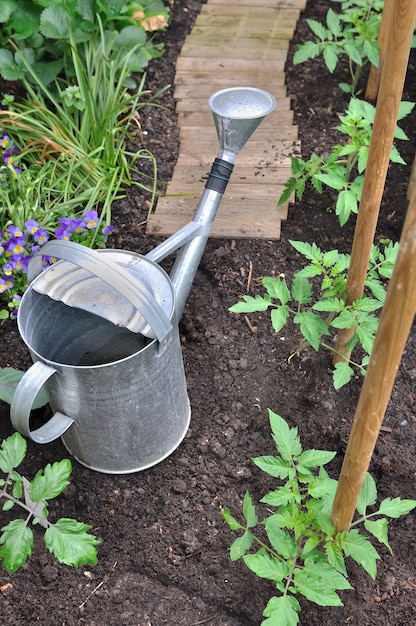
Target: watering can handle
23,400
109,272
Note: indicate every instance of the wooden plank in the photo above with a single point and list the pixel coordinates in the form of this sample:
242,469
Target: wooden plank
250,48
246,29
187,87
296,4
253,13
226,66
200,104
192,171
256,152
196,134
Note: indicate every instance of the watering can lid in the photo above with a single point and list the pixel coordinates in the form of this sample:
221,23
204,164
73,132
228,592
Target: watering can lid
139,296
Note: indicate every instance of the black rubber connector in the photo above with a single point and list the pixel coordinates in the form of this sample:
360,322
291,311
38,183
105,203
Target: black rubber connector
219,175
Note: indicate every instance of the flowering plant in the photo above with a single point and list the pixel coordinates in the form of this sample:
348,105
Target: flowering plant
18,245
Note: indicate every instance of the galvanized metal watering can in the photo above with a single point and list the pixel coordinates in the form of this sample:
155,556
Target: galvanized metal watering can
102,327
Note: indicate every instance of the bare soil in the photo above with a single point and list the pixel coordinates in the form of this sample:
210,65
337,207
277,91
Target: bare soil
164,553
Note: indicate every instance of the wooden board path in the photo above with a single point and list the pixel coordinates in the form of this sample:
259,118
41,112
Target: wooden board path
234,43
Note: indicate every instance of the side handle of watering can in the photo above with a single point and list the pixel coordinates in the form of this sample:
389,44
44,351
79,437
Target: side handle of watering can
22,403
110,273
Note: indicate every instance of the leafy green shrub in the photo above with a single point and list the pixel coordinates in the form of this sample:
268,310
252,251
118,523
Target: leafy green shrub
297,302
45,30
353,32
298,549
67,539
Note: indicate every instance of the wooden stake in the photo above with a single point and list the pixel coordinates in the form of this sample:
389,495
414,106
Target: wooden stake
395,323
391,89
374,77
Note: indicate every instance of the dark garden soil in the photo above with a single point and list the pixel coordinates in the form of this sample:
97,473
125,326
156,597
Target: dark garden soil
164,557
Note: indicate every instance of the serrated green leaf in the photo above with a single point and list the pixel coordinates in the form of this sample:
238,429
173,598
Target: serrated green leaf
318,582
241,545
275,466
266,566
306,51
286,439
279,317
335,557
345,205
322,486
359,548
281,496
368,494
334,23
342,374
301,289
315,458
330,55
318,29
251,304
7,8
309,251
54,23
70,543
277,288
281,611
9,504
230,520
396,507
280,539
249,511
312,327
16,543
12,452
50,481
379,530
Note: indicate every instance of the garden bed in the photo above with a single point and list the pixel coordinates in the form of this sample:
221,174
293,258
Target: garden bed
164,554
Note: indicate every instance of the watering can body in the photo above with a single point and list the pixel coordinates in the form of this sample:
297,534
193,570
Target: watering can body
119,397
102,327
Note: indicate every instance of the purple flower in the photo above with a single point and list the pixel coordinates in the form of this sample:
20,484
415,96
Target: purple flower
14,231
8,269
16,246
107,230
32,226
40,236
90,219
5,140
63,232
5,284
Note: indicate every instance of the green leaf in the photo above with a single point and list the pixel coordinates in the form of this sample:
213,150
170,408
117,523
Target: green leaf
379,530
280,539
267,566
281,611
318,582
306,51
359,548
312,327
129,37
315,458
9,504
345,205
335,557
277,288
54,23
241,545
50,481
328,305
334,23
322,485
70,542
275,466
9,70
280,496
7,8
396,507
249,511
286,439
251,304
230,520
368,494
318,29
12,452
16,543
10,378
279,317
330,54
301,289
342,374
